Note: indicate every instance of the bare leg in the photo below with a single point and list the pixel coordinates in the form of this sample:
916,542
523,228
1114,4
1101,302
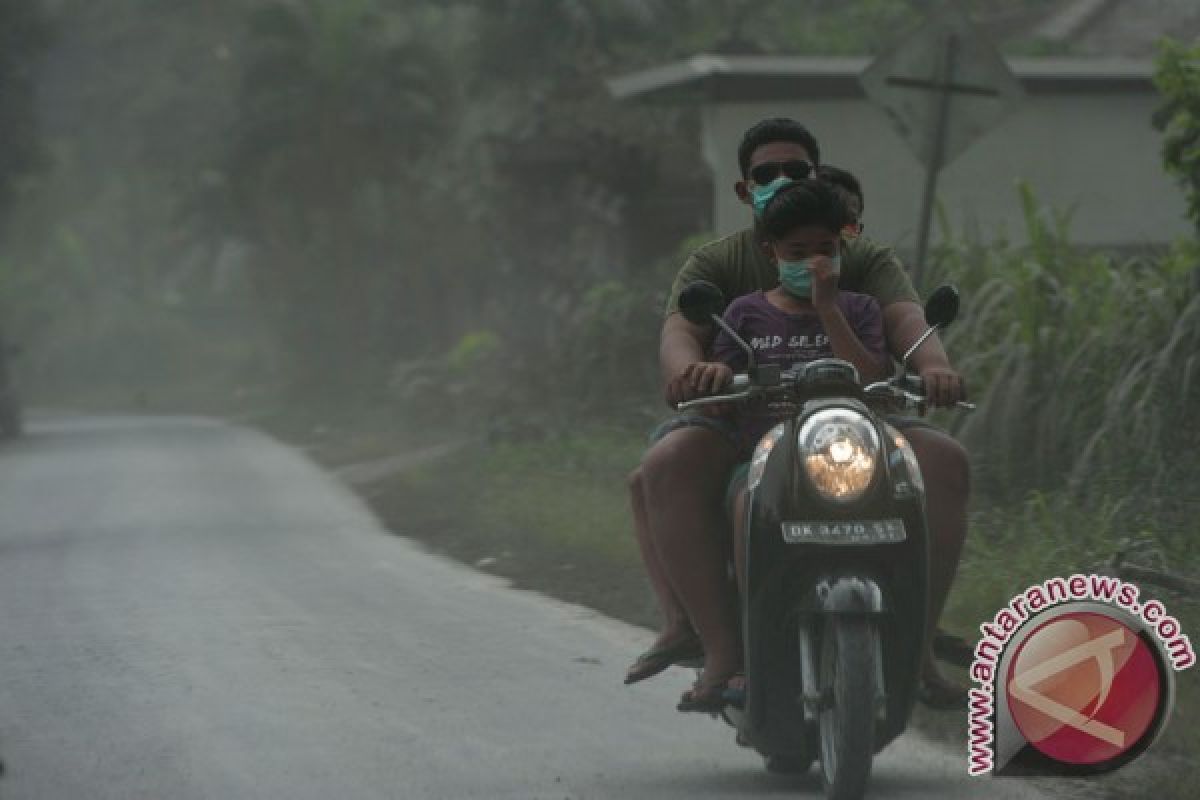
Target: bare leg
684,477
675,621
946,470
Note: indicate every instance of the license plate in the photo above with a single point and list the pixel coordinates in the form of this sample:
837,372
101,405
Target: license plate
847,531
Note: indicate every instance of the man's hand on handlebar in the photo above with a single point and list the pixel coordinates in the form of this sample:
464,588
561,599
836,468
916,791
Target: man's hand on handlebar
943,386
708,377
699,379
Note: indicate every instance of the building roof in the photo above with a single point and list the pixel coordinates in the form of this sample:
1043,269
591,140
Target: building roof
738,78
1126,28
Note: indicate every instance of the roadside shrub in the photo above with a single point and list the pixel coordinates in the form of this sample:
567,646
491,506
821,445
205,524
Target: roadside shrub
1084,364
1177,76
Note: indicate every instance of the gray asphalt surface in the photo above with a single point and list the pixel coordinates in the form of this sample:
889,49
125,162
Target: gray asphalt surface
191,610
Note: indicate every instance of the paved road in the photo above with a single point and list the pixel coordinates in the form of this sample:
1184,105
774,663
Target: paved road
191,610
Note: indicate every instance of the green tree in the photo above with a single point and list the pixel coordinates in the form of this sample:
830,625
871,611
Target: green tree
539,166
1177,76
24,35
338,105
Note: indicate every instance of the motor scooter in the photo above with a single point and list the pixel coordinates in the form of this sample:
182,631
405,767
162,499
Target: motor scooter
833,611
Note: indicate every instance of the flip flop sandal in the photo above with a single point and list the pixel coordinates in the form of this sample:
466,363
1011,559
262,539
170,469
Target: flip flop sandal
952,649
655,660
708,699
735,695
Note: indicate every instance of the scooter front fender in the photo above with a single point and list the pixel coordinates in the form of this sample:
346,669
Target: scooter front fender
845,594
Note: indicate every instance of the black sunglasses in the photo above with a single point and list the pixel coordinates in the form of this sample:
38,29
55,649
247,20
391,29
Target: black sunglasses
796,169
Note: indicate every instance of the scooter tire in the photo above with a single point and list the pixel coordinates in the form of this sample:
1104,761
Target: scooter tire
847,725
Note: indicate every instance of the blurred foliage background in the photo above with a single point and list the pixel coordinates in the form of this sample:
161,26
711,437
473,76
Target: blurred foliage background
306,193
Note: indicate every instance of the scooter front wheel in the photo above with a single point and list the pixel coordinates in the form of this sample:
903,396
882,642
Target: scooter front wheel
847,716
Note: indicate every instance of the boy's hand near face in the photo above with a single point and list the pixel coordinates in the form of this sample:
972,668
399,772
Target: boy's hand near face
824,283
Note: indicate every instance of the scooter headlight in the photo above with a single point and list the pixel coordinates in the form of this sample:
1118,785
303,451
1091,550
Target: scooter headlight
758,464
839,449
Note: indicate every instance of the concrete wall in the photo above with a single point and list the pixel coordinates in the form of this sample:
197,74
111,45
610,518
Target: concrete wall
1097,155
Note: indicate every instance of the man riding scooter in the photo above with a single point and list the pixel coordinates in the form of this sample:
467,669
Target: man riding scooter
677,490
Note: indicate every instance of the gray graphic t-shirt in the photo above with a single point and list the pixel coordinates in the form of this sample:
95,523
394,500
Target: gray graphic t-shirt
779,337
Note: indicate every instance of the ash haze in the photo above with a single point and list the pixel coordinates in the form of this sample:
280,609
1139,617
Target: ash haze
326,323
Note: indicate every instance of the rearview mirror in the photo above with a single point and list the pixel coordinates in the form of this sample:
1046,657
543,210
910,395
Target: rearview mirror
942,306
699,300
940,310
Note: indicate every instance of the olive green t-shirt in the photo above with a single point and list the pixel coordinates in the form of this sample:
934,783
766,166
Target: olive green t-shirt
738,265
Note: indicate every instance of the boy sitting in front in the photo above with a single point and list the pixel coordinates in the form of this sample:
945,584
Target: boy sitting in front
804,318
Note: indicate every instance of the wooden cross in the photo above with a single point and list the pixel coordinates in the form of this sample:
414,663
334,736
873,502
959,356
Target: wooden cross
944,84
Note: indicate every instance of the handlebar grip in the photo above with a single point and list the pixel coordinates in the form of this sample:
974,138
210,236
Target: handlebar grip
916,385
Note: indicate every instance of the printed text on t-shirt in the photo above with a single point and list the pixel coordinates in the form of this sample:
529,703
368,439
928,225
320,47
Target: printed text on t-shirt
769,342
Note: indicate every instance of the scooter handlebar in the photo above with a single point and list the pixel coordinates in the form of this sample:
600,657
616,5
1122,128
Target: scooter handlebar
910,387
915,384
740,381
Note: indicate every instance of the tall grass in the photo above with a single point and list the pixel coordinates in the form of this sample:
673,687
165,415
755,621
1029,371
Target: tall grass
1084,363
1085,443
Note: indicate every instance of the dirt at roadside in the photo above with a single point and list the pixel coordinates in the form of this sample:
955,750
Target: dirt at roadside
619,590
